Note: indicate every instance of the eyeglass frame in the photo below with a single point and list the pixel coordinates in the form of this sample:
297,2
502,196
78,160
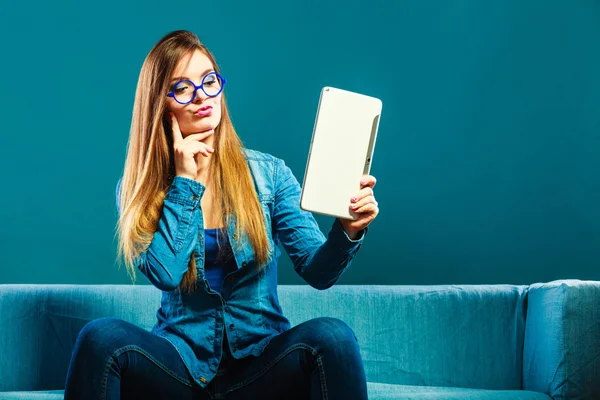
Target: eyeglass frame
201,86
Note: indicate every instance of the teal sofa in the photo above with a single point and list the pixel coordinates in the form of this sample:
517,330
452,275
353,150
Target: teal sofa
417,342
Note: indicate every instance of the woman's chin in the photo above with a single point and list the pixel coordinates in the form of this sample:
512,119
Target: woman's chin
199,127
205,124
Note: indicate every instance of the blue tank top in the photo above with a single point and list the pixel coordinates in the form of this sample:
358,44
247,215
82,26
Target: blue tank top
217,263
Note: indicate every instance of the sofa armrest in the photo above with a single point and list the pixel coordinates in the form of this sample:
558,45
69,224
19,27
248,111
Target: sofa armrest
562,340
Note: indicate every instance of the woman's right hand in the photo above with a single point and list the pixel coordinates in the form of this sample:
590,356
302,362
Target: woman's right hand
185,150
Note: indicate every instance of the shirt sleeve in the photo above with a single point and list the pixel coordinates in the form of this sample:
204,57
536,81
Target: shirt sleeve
319,260
166,259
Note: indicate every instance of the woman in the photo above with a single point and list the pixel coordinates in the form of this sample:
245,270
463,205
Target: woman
202,218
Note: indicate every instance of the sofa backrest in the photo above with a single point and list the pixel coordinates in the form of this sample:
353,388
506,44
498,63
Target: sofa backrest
39,325
464,336
460,336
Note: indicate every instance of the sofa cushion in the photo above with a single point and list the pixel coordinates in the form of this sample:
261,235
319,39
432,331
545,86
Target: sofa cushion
37,395
381,391
377,391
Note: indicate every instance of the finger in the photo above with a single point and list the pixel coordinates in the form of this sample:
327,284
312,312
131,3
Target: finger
203,152
199,136
177,136
364,192
370,208
188,149
362,202
200,147
368,181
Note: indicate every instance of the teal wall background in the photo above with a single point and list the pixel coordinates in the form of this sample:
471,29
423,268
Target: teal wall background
488,154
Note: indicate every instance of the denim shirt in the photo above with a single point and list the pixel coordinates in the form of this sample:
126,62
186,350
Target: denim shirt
247,308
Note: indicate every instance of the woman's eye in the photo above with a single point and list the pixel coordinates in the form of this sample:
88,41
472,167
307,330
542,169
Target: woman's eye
180,89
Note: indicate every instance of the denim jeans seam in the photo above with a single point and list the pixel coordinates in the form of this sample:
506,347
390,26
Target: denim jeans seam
322,375
270,365
122,350
105,378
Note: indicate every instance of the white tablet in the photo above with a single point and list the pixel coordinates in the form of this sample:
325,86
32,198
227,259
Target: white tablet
341,151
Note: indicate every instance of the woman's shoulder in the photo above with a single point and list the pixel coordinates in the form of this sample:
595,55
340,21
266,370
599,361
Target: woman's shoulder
264,161
267,169
259,156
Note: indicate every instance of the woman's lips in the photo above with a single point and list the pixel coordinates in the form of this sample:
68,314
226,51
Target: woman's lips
204,111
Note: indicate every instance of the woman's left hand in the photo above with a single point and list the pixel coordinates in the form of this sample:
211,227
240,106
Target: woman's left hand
364,204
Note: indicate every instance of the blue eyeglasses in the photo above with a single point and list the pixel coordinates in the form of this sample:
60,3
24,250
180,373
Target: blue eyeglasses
184,91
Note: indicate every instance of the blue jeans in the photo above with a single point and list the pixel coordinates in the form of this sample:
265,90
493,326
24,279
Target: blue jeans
317,359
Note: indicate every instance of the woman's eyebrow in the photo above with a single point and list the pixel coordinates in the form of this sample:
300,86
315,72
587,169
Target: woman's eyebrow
185,77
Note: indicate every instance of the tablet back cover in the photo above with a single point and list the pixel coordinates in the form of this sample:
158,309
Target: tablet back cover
341,151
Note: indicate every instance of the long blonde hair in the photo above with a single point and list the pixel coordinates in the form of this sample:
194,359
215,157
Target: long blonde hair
149,166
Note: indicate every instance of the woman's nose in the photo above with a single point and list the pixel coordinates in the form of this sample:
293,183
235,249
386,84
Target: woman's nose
200,96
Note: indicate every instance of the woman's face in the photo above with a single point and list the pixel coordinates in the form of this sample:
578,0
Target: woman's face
204,112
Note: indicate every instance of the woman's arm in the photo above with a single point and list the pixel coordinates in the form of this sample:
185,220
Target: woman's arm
166,260
318,260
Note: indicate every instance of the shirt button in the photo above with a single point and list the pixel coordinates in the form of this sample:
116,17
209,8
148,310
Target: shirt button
203,379
231,326
244,264
235,236
194,197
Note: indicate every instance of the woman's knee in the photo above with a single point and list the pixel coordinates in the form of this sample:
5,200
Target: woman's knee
333,334
102,337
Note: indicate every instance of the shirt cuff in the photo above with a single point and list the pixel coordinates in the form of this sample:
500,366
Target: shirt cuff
185,191
340,238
